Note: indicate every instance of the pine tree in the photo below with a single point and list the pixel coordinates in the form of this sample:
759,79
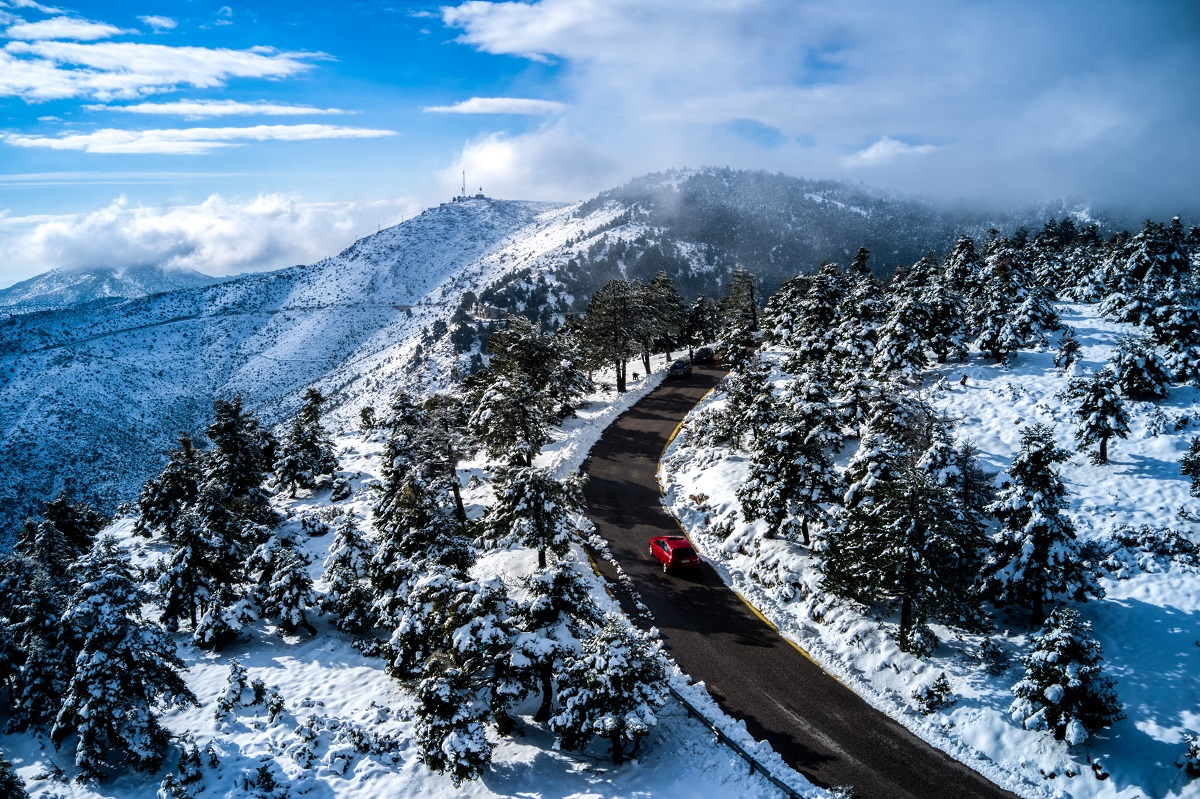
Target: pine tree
740,303
241,455
1189,465
451,717
285,591
164,498
346,572
1068,350
611,689
668,316
558,612
1063,689
908,543
900,350
125,669
1036,556
615,322
512,421
549,365
791,469
78,522
784,318
535,510
1140,373
415,531
11,784
306,452
45,648
1100,412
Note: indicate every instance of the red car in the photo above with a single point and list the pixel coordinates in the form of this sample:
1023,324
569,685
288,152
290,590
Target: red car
674,552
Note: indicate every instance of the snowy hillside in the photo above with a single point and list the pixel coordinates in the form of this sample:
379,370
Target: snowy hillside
345,728
63,288
92,398
862,443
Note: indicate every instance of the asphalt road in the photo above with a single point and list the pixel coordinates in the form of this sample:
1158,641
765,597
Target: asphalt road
820,727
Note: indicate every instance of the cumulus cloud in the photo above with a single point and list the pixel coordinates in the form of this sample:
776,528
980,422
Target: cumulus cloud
217,237
885,150
987,82
55,70
158,23
499,105
553,164
63,28
201,109
188,141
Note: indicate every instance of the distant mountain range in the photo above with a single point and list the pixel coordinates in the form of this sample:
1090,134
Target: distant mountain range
62,288
93,395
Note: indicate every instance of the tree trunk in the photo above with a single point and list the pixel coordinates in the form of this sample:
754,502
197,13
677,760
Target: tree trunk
804,530
618,754
1039,613
620,369
1103,456
646,359
547,680
542,556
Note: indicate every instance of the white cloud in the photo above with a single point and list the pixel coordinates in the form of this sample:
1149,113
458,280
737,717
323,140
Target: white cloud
158,23
650,85
553,164
51,70
201,109
217,237
188,141
63,28
885,151
499,105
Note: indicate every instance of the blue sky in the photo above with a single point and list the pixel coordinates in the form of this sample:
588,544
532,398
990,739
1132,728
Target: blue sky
228,137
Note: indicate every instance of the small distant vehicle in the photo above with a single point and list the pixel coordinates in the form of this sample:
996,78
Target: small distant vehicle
681,368
703,355
674,552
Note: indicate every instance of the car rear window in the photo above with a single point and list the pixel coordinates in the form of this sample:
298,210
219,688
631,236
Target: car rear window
684,552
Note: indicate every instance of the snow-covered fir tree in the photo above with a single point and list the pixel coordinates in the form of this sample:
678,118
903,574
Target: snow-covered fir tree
512,421
1068,350
11,784
1035,554
346,573
534,509
1099,411
1189,465
1140,373
284,590
612,690
557,614
909,544
451,722
126,669
164,498
241,456
1063,689
791,469
43,655
306,452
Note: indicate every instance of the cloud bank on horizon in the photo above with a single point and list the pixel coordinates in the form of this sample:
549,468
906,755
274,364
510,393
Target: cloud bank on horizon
1000,103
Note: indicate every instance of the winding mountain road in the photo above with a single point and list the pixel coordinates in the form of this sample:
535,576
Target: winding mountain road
819,726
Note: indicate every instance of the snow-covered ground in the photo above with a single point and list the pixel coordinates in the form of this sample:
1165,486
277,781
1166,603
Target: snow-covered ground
335,698
1148,624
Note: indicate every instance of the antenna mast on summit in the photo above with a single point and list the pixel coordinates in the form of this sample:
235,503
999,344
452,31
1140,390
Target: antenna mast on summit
464,186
